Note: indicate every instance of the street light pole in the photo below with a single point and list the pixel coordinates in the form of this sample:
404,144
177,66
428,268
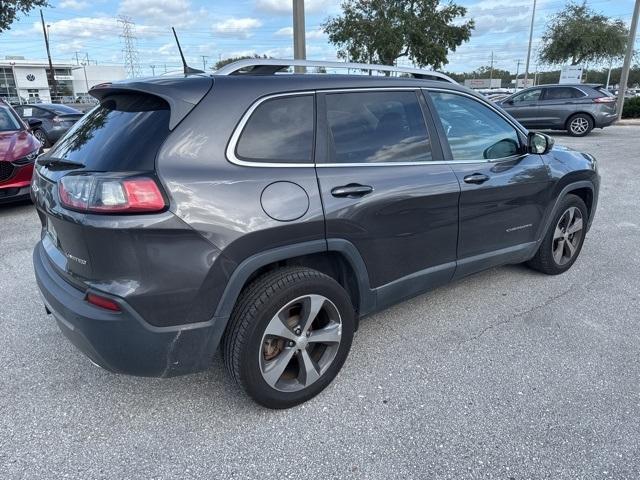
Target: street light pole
526,68
299,47
51,71
624,76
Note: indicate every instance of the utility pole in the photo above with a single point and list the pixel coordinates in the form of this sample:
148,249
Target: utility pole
491,71
54,86
204,62
153,70
299,46
517,73
624,75
526,68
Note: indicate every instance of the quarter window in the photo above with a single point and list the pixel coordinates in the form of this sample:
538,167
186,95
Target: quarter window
474,131
279,130
376,127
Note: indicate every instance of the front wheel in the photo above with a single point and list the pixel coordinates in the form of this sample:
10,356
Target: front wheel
563,241
41,137
288,336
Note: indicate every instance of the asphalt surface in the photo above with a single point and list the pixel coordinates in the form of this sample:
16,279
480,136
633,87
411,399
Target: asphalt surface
508,374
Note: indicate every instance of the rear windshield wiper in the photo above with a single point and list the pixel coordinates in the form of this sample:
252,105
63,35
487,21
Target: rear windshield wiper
59,164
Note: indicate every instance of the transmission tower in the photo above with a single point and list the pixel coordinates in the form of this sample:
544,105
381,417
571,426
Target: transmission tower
129,46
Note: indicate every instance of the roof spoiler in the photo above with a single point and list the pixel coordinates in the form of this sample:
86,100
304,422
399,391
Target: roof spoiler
181,93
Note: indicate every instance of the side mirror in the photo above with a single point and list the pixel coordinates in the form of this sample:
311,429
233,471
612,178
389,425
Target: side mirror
539,143
508,102
34,122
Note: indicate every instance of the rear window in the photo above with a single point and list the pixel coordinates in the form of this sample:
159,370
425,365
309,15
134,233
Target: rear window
64,110
8,121
123,133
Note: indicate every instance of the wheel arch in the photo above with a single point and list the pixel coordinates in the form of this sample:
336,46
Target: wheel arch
336,258
583,112
585,189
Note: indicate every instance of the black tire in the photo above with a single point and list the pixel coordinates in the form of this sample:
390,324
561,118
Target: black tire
579,125
42,137
544,261
244,340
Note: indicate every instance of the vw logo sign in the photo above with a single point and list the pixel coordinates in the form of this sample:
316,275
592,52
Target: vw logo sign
31,77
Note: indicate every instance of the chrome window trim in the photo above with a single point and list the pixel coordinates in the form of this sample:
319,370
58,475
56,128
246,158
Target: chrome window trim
237,132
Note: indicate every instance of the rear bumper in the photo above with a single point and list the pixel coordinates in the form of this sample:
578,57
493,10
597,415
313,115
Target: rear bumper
122,342
605,119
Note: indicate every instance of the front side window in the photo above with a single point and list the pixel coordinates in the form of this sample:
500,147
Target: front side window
528,96
279,130
376,127
474,131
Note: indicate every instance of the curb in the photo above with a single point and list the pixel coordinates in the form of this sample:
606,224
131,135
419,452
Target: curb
629,122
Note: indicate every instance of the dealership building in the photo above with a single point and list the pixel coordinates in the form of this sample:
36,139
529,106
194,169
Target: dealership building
24,80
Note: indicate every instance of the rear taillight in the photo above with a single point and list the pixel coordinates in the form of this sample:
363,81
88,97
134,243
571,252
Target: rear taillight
102,302
604,100
99,194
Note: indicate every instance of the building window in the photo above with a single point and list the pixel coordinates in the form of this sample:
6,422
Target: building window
8,85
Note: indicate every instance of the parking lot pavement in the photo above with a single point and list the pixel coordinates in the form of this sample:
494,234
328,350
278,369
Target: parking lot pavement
508,374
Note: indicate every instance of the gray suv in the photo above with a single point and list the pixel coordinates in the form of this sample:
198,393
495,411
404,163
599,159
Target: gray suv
576,108
267,214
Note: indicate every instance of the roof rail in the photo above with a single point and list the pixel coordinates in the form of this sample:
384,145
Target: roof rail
270,66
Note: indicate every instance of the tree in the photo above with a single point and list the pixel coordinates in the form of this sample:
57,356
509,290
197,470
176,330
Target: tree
227,61
9,9
578,34
381,31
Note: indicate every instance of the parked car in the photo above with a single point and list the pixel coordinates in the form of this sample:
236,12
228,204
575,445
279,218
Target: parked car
56,120
267,214
18,151
576,108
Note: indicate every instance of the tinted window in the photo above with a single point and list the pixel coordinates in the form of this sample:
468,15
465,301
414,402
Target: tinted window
474,131
528,96
123,133
63,109
562,93
7,120
377,127
279,130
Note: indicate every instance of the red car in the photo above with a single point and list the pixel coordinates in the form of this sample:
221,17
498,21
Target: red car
18,151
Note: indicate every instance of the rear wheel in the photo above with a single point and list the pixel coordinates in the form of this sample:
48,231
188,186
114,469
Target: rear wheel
288,336
42,137
579,125
563,241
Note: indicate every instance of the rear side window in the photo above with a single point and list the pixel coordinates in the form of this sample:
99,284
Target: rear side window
123,133
562,93
474,131
279,130
376,127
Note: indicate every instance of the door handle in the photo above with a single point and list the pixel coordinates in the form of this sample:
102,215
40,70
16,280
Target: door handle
353,190
476,178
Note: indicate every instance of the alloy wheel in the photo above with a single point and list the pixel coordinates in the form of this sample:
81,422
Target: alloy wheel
567,235
579,125
39,134
300,343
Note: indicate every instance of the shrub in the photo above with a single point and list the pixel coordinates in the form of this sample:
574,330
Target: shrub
631,108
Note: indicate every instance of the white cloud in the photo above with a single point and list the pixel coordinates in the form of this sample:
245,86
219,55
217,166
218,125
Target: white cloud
73,4
163,13
284,32
282,7
237,27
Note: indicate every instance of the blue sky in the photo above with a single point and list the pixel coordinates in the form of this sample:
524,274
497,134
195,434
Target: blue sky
220,29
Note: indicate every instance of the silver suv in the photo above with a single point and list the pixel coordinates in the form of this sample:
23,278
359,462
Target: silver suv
576,108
